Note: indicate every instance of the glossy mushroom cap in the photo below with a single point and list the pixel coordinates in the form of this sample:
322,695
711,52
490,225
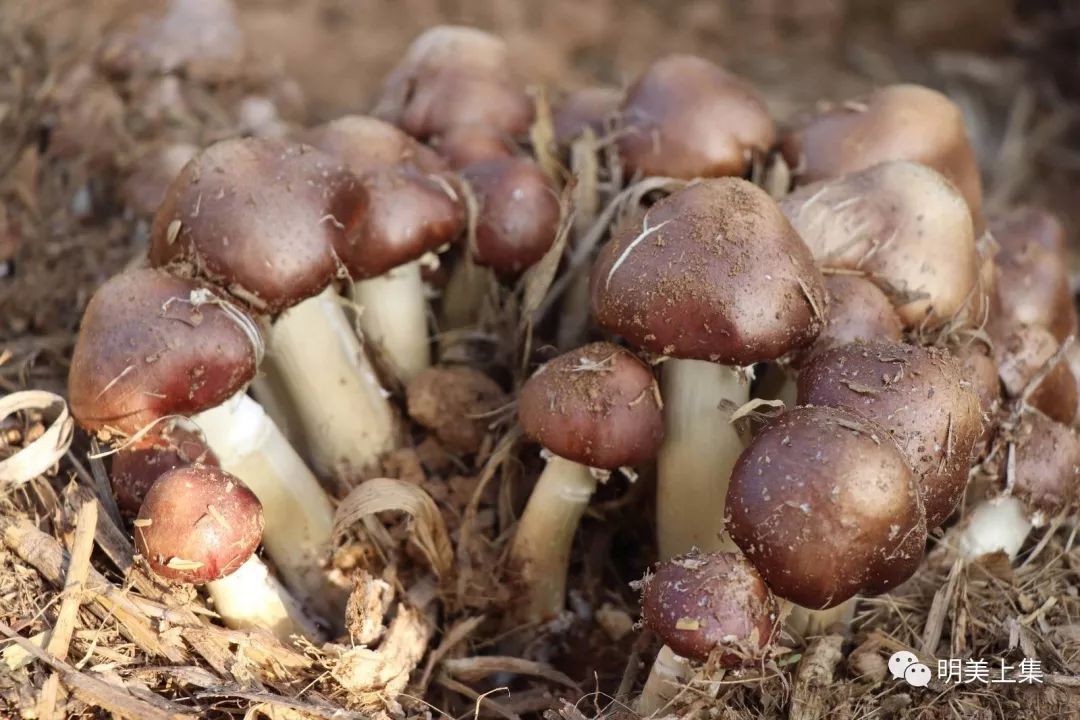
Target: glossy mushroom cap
517,213
713,272
898,122
365,144
198,524
858,310
269,221
902,224
704,604
1046,474
151,345
597,405
465,145
1021,356
920,396
454,76
686,117
136,467
1033,272
825,507
591,108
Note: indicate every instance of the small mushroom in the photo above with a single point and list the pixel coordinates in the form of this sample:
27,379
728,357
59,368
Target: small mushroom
858,310
591,108
464,145
1023,357
136,466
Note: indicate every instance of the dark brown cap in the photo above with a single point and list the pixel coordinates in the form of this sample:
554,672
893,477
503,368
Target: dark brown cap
591,107
686,117
825,507
1046,472
267,220
517,213
1033,270
597,405
898,122
151,345
464,145
904,226
198,524
365,143
454,76
1023,354
920,395
858,310
704,604
137,466
150,176
714,272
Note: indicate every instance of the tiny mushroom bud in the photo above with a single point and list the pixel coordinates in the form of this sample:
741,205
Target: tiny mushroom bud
1023,357
595,407
464,145
136,466
686,117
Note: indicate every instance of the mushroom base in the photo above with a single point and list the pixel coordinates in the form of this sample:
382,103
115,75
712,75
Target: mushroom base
253,598
699,450
998,525
394,319
668,675
805,623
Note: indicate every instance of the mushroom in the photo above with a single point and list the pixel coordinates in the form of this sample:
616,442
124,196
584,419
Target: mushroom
590,108
136,465
704,607
464,145
594,408
715,279
1033,373
273,223
200,525
897,122
686,117
412,210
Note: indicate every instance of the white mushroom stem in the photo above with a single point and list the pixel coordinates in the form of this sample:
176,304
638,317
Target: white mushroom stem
346,420
998,525
668,675
540,550
806,623
299,516
394,319
699,450
251,598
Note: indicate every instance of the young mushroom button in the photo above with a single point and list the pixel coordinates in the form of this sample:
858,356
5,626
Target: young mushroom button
136,466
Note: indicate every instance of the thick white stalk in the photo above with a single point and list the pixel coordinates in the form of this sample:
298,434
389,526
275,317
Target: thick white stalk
298,513
347,422
806,623
540,550
699,450
669,673
393,318
253,598
1000,524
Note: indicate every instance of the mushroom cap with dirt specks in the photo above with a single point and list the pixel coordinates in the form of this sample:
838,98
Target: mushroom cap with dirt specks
858,310
269,221
517,213
587,108
714,272
198,524
597,405
982,371
897,122
1046,475
151,345
825,506
920,396
702,604
1021,356
687,117
137,466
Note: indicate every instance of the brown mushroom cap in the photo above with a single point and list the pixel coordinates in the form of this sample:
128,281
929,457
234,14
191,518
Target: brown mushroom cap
686,117
902,224
136,467
454,76
269,221
920,395
1046,472
1072,357
198,524
858,310
465,145
898,122
517,213
1033,270
151,345
699,604
1021,356
981,371
825,507
715,272
365,144
597,405
589,107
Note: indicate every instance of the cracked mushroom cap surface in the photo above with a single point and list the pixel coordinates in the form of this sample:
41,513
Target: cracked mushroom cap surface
901,224
198,524
686,117
701,604
270,221
1046,475
597,405
825,506
897,122
919,395
1021,356
151,345
136,467
858,310
714,272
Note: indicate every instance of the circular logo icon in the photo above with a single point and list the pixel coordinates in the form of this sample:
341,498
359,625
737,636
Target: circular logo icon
900,661
917,675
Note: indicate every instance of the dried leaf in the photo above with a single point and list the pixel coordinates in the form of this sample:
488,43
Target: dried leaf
42,454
